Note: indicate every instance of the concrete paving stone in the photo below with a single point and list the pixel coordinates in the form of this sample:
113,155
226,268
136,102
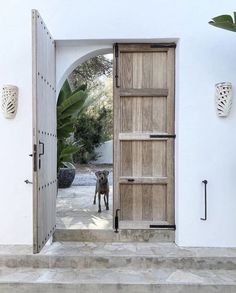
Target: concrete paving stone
75,209
114,255
116,276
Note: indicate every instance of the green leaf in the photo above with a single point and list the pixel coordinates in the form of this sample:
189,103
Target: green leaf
69,150
226,26
65,130
72,104
68,165
65,92
223,18
82,87
88,102
224,21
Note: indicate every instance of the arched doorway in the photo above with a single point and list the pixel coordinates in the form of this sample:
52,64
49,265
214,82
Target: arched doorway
144,128
90,143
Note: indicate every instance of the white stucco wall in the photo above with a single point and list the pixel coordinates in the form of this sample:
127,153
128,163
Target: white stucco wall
105,153
205,144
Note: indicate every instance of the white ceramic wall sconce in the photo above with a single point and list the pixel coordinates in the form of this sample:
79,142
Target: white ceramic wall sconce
9,101
223,95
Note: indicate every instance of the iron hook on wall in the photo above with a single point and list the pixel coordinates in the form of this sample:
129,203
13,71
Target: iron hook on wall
205,199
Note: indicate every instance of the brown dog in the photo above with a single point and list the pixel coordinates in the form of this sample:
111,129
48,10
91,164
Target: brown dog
102,187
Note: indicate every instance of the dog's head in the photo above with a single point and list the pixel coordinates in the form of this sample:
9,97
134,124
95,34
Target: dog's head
102,176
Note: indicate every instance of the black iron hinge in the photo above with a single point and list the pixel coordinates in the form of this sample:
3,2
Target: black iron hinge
162,136
173,227
117,65
163,45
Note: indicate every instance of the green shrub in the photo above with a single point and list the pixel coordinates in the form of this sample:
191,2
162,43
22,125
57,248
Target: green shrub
91,130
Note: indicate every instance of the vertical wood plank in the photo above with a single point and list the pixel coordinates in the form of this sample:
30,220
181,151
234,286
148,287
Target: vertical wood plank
126,158
147,70
136,158
159,203
159,159
137,202
126,202
159,70
137,70
147,159
126,120
159,114
147,212
147,114
126,74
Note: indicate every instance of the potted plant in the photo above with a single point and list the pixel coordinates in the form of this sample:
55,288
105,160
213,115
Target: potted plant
70,104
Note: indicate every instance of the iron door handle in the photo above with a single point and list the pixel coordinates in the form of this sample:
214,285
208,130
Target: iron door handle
205,199
41,143
41,154
130,180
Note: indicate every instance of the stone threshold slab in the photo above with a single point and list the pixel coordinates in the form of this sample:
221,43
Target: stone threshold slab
125,235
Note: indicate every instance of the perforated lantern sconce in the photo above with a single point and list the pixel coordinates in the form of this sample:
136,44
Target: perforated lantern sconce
9,101
223,97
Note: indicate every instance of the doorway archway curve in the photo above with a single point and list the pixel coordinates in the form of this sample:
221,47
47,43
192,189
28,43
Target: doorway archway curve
74,58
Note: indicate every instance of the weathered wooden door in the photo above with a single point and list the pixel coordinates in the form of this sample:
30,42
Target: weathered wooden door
44,133
144,134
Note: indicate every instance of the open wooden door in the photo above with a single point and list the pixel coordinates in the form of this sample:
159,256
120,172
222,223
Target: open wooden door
144,132
44,133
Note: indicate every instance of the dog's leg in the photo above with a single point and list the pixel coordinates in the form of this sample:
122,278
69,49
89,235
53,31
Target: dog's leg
105,199
99,202
107,205
94,201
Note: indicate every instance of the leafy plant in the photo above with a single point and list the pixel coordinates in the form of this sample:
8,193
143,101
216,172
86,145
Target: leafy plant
69,105
91,130
225,21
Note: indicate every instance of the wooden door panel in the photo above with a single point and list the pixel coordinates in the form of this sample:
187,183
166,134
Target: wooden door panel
144,70
143,202
44,133
143,114
143,158
144,110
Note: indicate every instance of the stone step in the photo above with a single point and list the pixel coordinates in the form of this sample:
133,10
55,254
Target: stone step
120,255
116,281
125,235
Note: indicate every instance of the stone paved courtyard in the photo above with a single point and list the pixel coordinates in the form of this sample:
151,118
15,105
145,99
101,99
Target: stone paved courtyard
75,209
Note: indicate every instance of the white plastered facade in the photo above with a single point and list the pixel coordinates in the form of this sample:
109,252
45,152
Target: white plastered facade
205,143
